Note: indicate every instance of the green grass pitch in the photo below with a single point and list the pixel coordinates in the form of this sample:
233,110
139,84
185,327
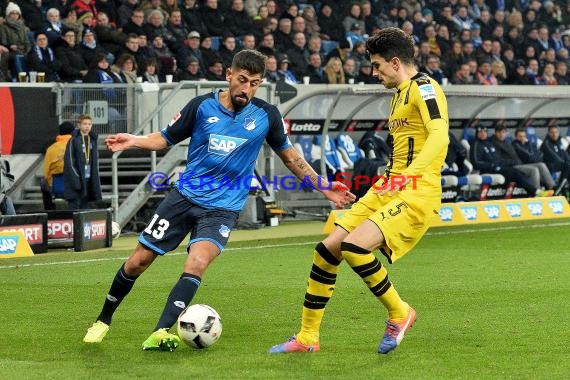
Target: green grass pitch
492,303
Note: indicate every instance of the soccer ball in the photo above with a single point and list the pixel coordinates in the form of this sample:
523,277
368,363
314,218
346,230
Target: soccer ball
115,230
199,326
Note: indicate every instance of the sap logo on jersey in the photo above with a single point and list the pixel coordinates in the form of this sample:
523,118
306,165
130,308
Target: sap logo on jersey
224,145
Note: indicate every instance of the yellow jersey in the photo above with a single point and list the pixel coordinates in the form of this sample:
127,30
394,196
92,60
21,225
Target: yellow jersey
419,125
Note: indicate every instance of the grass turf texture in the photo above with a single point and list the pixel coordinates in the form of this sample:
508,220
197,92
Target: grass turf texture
492,303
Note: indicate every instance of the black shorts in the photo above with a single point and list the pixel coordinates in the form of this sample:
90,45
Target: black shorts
176,216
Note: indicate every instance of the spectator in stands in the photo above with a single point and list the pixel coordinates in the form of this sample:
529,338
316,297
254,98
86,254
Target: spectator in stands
262,21
192,16
311,21
228,50
208,53
150,71
455,158
42,59
291,11
547,78
237,21
462,19
334,71
365,74
70,21
252,7
271,74
487,160
498,71
369,18
155,27
511,159
555,156
298,54
73,66
561,73
284,72
100,72
349,68
213,18
149,6
314,45
432,69
108,36
81,166
316,71
267,44
485,75
135,24
14,36
353,16
283,36
191,70
165,57
175,25
530,155
248,41
126,67
89,47
53,27
463,75
31,12
84,7
125,11
519,77
423,54
532,70
191,49
342,51
299,26
331,28
216,71
52,183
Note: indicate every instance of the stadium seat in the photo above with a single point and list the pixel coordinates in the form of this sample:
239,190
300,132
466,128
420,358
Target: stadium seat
349,151
332,156
216,43
305,146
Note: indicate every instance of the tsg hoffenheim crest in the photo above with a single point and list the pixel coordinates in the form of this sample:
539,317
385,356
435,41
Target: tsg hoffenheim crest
249,124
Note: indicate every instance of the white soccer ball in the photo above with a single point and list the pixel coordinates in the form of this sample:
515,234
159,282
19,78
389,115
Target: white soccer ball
115,230
199,326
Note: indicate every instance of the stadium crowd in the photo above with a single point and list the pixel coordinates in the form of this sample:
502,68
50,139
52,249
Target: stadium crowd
487,42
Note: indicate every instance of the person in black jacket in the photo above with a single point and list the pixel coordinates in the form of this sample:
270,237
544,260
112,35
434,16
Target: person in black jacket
81,166
487,159
555,157
456,154
73,66
41,58
530,155
510,158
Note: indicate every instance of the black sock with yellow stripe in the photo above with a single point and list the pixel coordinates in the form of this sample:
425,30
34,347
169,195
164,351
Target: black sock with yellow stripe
320,288
375,275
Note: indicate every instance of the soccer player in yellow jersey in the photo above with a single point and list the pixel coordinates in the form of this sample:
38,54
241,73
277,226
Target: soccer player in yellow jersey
391,216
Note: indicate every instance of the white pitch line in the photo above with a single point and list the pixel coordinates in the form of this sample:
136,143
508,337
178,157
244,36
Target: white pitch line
555,224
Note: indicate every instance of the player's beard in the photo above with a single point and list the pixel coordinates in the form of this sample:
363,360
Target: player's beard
239,100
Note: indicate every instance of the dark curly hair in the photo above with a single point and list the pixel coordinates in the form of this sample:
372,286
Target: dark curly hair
251,61
390,43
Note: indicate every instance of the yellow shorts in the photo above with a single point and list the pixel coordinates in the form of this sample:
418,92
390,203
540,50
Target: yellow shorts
403,218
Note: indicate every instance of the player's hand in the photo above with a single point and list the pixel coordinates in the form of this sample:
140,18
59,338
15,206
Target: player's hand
391,188
118,142
339,194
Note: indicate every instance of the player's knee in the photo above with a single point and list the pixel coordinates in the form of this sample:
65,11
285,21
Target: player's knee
347,248
331,255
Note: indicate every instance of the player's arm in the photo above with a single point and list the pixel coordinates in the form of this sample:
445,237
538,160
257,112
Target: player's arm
124,141
335,191
179,129
433,109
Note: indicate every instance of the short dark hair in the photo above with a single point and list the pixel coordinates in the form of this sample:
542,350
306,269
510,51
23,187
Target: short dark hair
519,130
251,61
390,43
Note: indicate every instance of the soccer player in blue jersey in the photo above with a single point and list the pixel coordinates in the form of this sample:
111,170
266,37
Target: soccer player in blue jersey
227,130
